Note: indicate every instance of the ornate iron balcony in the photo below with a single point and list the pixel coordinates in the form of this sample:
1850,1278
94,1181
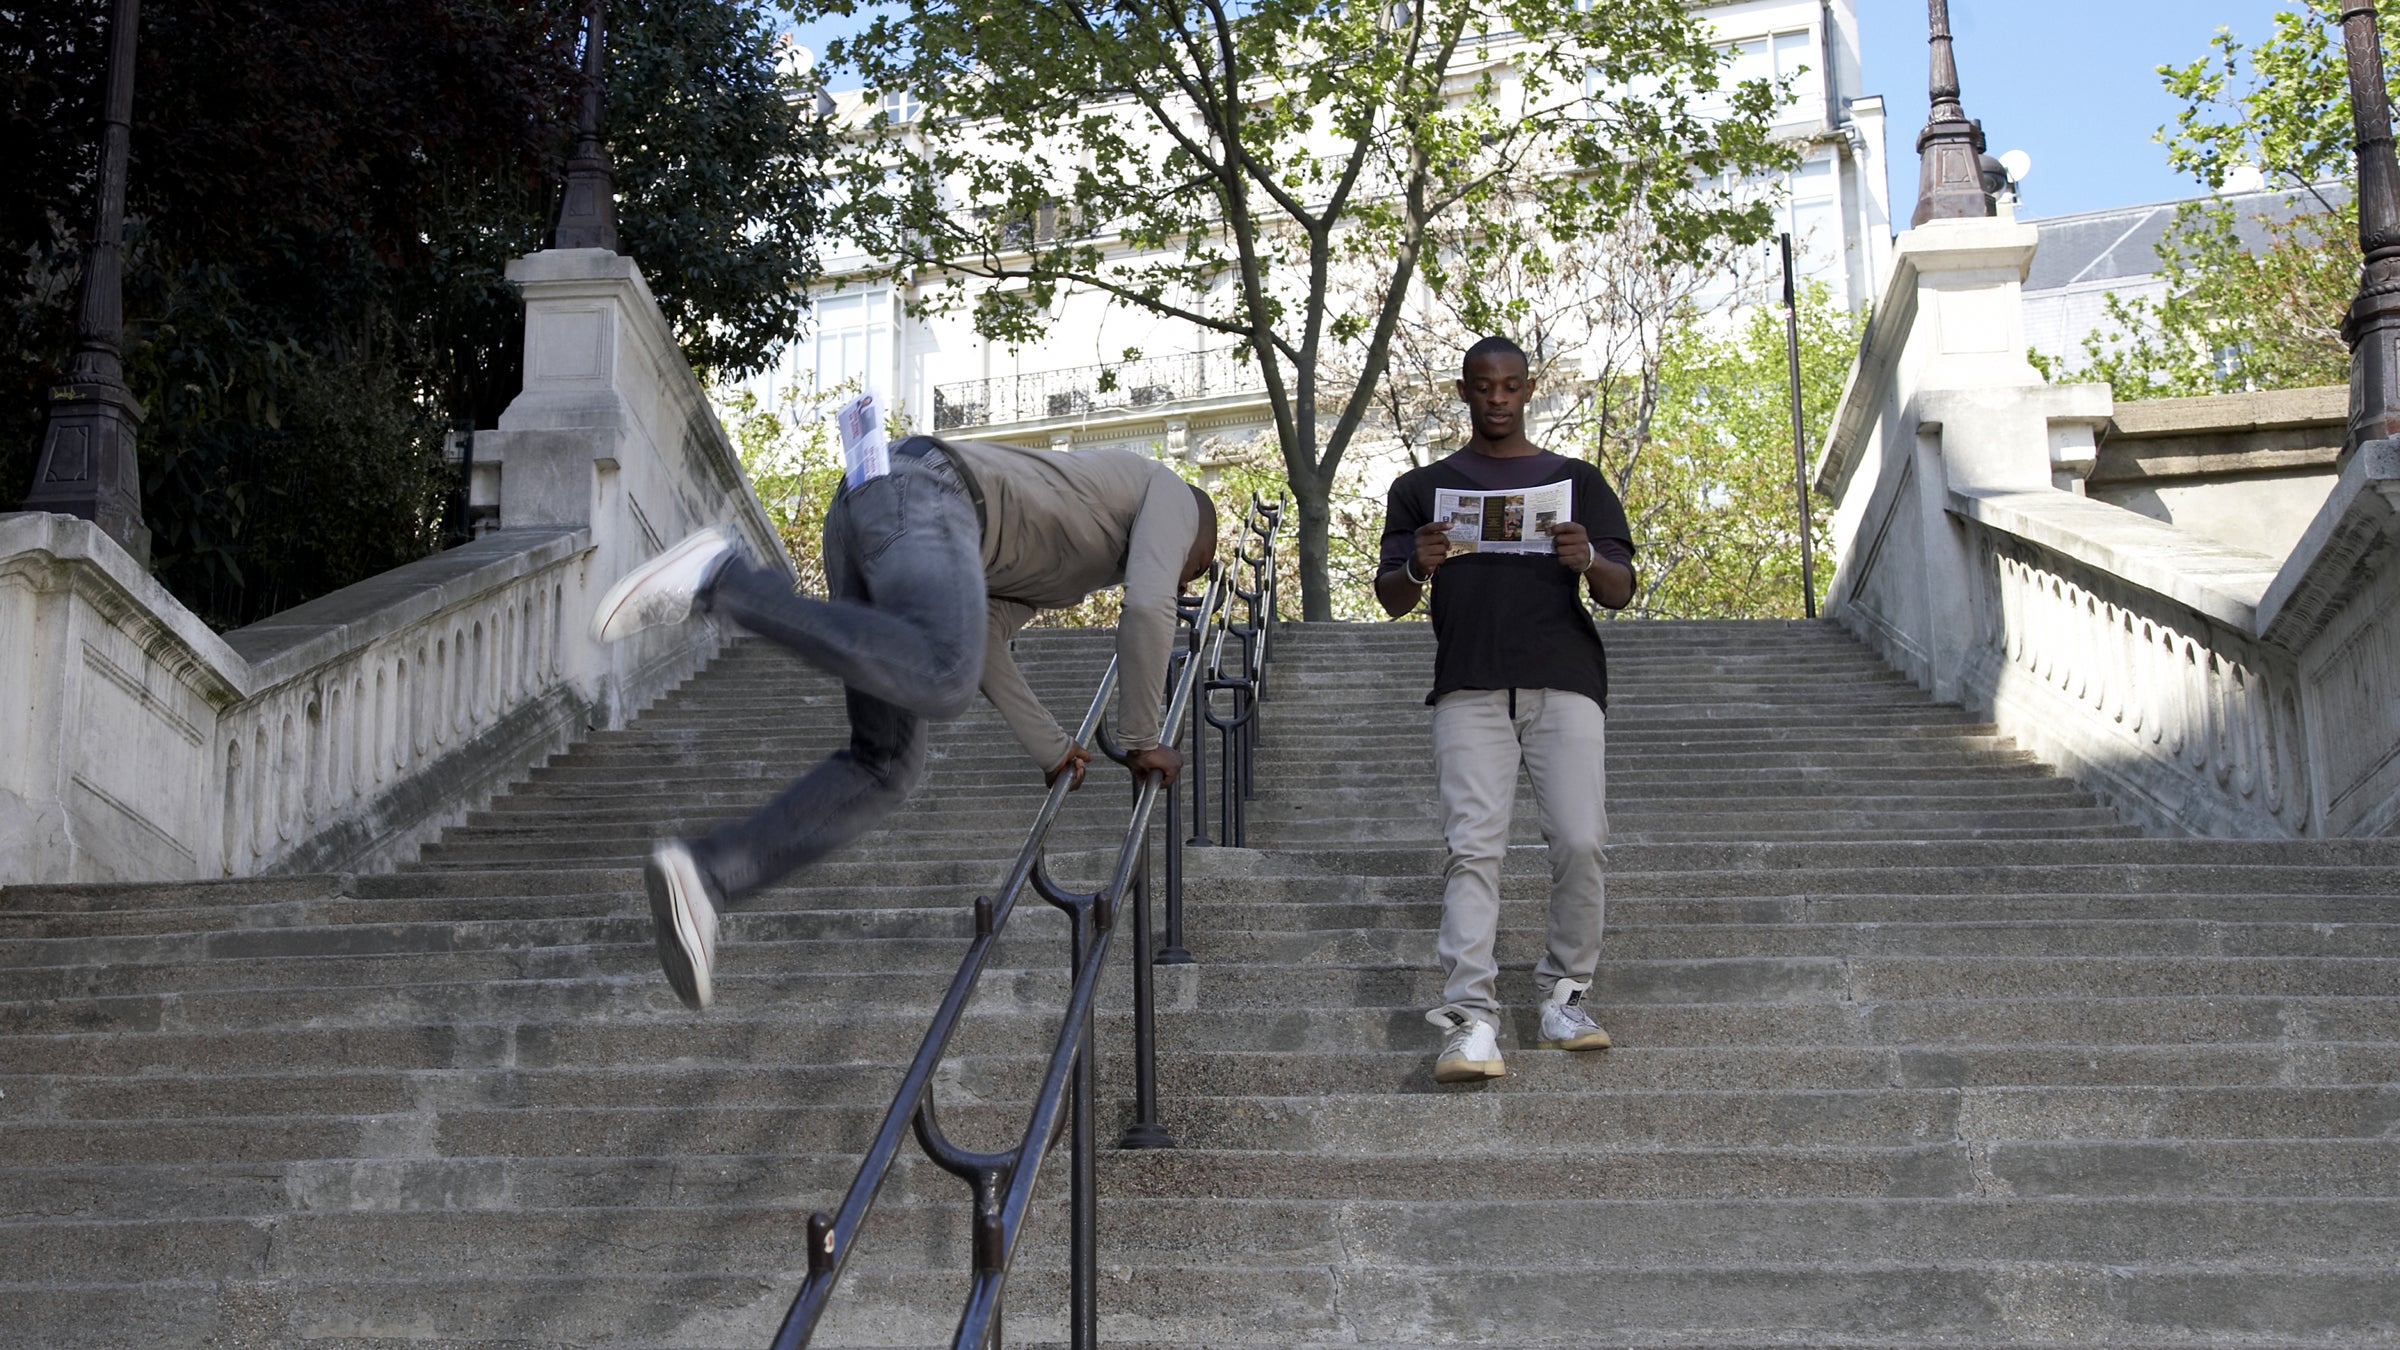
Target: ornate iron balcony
1153,382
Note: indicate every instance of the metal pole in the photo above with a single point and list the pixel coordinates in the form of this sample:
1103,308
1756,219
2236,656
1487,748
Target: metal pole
587,214
1084,1270
1173,953
1199,765
1145,1131
1950,168
2372,326
1791,316
89,466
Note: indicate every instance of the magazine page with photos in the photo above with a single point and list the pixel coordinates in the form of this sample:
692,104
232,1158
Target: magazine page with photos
1504,522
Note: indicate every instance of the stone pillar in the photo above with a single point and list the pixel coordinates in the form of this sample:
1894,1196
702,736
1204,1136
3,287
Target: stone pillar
563,427
613,432
1943,398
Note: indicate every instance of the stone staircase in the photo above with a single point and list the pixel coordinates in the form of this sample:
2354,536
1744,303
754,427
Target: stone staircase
1917,1046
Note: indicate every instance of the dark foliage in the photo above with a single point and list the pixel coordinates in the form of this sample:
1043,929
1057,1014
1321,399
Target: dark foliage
323,199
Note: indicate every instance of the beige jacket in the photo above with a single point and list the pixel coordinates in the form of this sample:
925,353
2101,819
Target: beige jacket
1059,525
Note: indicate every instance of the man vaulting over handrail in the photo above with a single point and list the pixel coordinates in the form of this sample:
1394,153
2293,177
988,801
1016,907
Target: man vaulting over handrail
933,567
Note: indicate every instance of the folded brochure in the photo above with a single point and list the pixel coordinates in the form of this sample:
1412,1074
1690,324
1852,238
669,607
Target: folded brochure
866,450
1504,522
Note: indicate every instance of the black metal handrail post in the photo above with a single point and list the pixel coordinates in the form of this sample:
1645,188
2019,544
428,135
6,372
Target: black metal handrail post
1002,1183
832,1238
1199,770
974,1322
1239,730
1145,1131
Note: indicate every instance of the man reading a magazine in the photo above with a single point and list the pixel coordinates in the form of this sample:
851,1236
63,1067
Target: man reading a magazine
934,561
1519,678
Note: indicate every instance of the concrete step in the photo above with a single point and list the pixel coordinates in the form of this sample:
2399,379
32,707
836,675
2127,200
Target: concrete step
932,937
214,1093
1418,1234
1965,1306
1487,1125
619,981
2085,1169
2306,1024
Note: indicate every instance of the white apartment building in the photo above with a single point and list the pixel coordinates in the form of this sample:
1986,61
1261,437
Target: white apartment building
1190,395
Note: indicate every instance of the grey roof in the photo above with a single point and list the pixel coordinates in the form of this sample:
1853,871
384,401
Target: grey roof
2123,241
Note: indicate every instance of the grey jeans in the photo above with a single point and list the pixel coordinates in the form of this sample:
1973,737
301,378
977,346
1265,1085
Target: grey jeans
903,632
1480,737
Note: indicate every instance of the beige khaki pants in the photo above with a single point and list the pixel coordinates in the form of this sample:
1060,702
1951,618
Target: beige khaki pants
1478,743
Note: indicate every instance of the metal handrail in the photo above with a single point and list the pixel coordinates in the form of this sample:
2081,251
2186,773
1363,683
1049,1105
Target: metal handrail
1003,1182
1238,730
1254,640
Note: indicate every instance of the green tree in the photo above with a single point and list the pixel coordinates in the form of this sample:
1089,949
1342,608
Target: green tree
1223,165
2242,314
323,198
1708,484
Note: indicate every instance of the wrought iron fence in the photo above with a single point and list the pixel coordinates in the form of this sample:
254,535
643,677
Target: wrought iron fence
1153,382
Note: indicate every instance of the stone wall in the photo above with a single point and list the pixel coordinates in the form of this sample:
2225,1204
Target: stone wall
2249,470
2241,679
342,733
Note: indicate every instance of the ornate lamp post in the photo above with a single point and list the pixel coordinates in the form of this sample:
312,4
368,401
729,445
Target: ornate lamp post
2373,325
587,218
1953,177
88,467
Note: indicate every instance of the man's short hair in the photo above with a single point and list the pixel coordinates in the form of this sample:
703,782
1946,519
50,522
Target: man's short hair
1208,511
1494,345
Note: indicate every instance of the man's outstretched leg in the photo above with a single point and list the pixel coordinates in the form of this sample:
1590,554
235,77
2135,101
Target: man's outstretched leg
905,622
903,631
844,796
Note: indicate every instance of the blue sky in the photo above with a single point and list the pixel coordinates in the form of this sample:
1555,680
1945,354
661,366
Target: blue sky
2069,82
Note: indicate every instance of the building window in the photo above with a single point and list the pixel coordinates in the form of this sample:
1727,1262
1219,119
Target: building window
851,341
1814,216
1793,55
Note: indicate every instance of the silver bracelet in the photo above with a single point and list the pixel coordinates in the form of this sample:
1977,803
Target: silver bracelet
1408,568
1588,560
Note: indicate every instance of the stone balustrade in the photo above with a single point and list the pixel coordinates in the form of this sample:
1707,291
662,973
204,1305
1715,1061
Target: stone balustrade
343,732
2197,685
2132,673
477,678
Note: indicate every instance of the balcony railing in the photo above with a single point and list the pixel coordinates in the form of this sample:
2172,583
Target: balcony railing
1050,395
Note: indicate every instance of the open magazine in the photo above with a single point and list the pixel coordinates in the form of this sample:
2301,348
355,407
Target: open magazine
866,449
1504,522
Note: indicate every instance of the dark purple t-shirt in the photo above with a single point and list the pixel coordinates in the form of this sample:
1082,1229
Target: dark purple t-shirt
1502,620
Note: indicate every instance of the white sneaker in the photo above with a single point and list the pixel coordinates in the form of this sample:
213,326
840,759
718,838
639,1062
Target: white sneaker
661,590
1566,1025
685,921
1470,1050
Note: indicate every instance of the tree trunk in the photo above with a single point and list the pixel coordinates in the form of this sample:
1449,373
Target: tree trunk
1312,498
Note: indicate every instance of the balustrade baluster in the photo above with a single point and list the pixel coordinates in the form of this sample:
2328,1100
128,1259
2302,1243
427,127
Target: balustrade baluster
229,830
2245,753
262,791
